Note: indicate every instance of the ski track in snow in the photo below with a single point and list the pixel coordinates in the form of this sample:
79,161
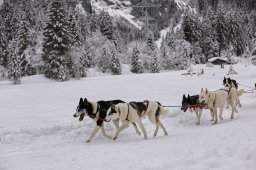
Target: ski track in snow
38,131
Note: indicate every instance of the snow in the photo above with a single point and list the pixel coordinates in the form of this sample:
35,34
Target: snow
181,4
163,34
218,58
38,131
116,10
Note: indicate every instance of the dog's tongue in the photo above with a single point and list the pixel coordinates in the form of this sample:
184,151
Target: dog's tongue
81,117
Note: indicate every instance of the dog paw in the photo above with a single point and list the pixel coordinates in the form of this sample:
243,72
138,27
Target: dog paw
138,133
87,141
232,117
197,123
109,137
214,123
146,137
114,138
221,118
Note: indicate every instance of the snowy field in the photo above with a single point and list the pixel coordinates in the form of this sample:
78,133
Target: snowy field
38,131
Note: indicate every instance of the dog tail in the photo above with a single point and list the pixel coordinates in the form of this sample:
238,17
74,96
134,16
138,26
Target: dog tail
240,92
163,111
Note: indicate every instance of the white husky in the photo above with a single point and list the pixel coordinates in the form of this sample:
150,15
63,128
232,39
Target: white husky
217,99
127,114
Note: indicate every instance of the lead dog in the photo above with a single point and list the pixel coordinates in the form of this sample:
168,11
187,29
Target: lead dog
97,112
127,114
217,99
153,110
191,103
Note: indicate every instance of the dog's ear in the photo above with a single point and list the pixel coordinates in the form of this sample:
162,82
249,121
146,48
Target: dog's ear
85,100
206,91
184,97
188,96
202,90
81,100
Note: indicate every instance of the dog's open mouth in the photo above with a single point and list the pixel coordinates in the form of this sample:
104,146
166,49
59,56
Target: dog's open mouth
81,117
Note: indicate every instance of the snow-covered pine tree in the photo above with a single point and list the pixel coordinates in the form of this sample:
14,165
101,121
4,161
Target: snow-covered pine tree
115,64
8,22
22,42
136,63
14,62
79,62
221,31
149,51
103,62
196,53
164,54
151,47
56,45
93,23
106,25
155,65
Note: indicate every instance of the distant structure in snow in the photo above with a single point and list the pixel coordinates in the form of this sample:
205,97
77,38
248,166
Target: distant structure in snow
219,61
231,71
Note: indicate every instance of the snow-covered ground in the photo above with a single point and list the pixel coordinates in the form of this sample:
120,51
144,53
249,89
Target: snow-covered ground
38,131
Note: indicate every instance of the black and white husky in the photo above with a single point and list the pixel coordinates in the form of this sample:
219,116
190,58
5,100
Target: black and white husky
228,82
96,111
127,114
191,103
152,110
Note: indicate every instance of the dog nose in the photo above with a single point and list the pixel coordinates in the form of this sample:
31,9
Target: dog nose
74,115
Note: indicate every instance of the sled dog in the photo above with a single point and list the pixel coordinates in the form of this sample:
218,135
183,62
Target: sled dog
152,110
228,82
191,103
127,114
217,99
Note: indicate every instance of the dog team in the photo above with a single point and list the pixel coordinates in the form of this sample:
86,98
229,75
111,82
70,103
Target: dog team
131,113
214,100
116,111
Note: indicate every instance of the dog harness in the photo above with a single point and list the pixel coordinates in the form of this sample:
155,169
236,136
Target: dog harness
93,115
127,112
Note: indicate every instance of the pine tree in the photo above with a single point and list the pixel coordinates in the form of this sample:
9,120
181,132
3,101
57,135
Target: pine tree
136,63
105,25
115,63
93,23
150,43
103,63
14,63
79,62
221,31
57,43
155,65
23,41
8,21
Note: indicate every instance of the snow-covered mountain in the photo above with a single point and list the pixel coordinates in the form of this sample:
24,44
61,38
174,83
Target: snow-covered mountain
116,9
123,8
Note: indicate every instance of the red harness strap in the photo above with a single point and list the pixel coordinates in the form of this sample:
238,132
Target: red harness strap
195,106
